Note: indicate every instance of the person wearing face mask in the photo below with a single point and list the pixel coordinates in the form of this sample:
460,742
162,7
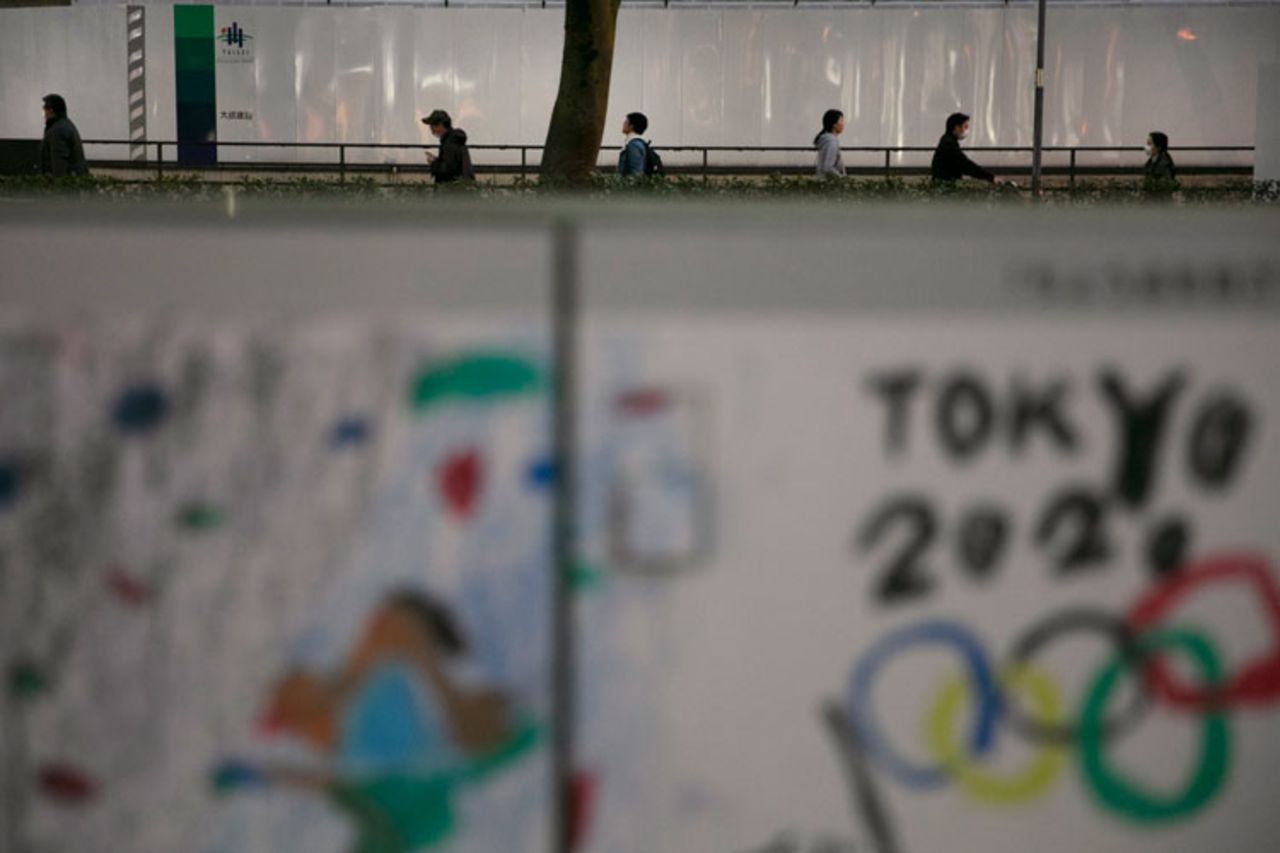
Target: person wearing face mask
949,162
1158,170
453,161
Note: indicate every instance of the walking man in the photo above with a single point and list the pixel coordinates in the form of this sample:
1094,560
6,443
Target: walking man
949,162
61,152
634,149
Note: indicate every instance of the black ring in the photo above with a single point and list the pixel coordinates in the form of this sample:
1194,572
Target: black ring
1046,630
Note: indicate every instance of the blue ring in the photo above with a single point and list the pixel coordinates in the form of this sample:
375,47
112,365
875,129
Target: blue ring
983,686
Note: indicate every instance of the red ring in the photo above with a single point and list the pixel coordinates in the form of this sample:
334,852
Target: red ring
1258,682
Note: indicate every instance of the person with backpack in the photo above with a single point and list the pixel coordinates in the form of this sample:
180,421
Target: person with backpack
637,159
830,164
453,162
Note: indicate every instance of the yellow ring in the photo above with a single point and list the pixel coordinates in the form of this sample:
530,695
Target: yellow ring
1020,787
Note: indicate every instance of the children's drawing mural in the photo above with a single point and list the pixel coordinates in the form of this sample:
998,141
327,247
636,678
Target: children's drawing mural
291,591
288,592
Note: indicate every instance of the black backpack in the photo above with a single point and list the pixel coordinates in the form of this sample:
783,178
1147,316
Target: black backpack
652,162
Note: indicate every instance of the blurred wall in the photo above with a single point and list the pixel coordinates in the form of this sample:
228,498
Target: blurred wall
845,534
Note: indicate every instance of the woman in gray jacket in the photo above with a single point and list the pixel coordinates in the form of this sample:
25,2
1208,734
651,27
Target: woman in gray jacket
830,163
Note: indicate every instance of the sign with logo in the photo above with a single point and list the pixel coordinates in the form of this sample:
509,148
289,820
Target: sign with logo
236,34
234,43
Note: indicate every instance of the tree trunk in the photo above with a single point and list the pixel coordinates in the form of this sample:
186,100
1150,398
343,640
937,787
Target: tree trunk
577,122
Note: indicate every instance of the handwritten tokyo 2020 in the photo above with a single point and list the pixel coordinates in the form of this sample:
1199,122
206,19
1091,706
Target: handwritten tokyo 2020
1072,530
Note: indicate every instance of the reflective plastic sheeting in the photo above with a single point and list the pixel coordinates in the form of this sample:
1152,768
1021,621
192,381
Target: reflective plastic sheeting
275,78
358,79
702,81
398,96
659,73
1192,72
77,53
743,81
796,91
487,85
543,38
626,83
706,76
316,91
435,86
162,120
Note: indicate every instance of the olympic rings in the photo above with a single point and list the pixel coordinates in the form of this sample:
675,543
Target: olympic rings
979,784
1124,797
1038,636
1140,645
1256,684
984,688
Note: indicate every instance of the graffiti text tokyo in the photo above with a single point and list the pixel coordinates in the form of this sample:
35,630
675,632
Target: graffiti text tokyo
969,417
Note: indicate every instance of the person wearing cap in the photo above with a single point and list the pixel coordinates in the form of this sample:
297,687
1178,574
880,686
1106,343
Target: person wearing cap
949,162
61,152
453,162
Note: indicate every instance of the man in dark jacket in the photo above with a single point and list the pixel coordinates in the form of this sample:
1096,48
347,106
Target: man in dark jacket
949,162
61,152
453,162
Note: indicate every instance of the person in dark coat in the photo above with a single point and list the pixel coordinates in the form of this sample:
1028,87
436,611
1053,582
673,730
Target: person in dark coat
61,152
1158,171
453,162
949,162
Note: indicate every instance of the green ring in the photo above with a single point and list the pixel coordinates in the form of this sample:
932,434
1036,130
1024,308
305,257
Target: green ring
1121,795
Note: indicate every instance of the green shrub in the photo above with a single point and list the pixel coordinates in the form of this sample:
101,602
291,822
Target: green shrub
774,186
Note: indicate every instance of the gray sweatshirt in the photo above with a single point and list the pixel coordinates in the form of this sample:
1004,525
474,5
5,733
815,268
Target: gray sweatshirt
830,163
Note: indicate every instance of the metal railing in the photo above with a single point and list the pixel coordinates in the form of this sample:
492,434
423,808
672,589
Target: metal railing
702,159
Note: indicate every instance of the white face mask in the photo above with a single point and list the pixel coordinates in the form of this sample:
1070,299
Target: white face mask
1149,149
